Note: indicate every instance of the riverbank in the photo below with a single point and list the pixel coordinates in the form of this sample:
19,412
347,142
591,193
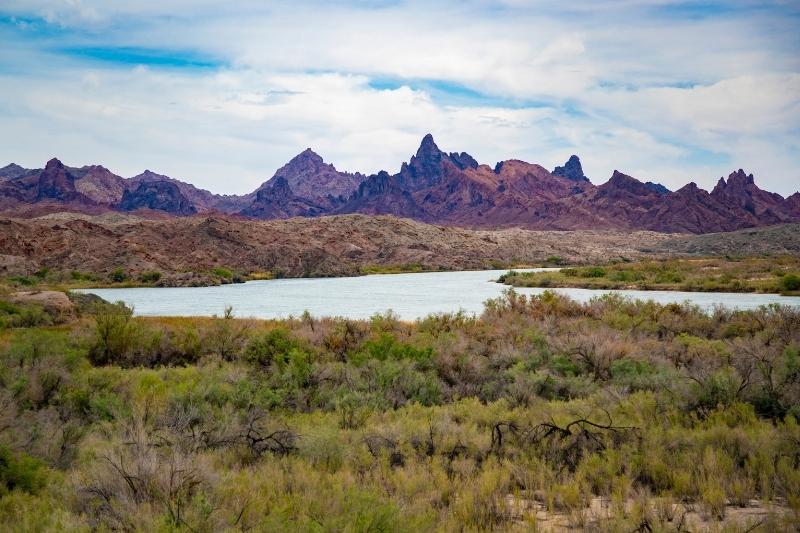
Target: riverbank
774,275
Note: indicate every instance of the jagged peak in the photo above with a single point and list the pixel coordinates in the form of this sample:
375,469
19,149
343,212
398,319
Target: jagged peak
307,155
429,156
428,147
690,187
463,160
628,183
741,177
53,163
618,178
737,179
572,169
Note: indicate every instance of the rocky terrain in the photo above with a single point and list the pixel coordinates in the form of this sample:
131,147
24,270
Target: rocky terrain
332,246
337,245
433,186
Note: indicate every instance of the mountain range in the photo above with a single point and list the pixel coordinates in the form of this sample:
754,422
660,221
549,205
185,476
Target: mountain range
433,186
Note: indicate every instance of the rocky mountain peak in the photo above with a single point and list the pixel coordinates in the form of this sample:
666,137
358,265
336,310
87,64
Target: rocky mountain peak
572,170
740,178
56,183
623,182
13,171
737,181
53,165
427,146
159,195
303,165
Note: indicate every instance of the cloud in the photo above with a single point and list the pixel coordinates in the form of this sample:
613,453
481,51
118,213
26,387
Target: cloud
222,95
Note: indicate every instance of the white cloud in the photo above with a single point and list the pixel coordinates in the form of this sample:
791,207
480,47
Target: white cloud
649,94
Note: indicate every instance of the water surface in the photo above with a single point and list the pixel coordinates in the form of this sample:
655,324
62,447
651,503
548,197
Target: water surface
410,296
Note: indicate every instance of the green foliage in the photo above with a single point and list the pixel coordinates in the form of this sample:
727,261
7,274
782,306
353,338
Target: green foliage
452,423
118,275
386,346
19,471
767,274
556,260
83,276
23,315
790,282
116,335
150,277
222,272
592,272
271,347
24,281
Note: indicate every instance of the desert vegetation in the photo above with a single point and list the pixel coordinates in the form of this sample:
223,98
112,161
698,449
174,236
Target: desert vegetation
779,274
541,413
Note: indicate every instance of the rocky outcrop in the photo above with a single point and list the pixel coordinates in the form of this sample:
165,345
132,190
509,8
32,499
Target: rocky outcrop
55,303
310,178
572,170
14,171
275,199
58,183
656,187
157,195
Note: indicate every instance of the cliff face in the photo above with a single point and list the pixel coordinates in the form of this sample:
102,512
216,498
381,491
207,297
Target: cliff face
157,195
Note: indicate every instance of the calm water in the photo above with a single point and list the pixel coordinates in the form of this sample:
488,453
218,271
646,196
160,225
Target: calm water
410,296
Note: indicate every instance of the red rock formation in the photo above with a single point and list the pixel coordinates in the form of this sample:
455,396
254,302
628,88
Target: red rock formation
433,186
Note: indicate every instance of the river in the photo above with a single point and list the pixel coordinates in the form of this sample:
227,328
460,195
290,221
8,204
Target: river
410,296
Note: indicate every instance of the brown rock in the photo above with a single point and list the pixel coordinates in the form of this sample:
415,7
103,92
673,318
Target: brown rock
56,303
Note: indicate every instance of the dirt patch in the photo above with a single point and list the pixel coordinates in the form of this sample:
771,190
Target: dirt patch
657,513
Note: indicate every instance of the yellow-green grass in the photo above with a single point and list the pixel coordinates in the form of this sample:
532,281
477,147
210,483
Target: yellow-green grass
519,419
764,275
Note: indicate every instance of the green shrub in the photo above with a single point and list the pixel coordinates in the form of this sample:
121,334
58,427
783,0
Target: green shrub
83,276
25,281
21,472
150,277
222,272
271,347
556,260
116,335
386,346
790,282
669,276
592,272
118,275
626,275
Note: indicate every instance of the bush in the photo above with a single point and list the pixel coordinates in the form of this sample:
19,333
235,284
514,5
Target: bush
790,282
118,275
222,272
83,276
386,346
669,276
21,472
556,260
593,272
271,347
149,277
115,335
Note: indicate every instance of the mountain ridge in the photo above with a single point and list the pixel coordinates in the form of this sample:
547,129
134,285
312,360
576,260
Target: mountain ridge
433,186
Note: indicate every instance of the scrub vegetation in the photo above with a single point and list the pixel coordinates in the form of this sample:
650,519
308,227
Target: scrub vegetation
767,275
541,413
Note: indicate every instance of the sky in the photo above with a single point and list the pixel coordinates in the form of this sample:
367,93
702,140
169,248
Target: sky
221,94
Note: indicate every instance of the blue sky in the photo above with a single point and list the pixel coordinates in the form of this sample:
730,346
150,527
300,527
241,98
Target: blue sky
222,94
